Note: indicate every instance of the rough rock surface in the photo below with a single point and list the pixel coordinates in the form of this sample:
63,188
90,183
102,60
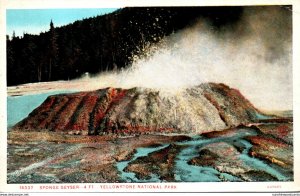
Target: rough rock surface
273,144
50,157
237,154
272,150
159,162
204,108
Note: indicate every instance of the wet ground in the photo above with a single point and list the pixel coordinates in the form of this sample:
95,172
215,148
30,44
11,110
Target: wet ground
259,153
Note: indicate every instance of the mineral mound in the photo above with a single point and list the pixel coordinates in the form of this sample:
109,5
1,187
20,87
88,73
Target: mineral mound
204,108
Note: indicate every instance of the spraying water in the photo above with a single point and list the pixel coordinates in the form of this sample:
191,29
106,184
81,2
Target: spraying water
254,56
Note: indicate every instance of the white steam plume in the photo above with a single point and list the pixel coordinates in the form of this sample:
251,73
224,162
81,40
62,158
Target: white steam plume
255,57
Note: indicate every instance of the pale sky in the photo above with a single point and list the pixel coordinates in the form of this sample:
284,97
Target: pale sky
35,21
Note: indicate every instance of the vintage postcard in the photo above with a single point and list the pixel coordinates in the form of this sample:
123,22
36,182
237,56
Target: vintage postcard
133,96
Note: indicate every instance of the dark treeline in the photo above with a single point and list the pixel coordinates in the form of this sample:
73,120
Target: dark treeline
100,43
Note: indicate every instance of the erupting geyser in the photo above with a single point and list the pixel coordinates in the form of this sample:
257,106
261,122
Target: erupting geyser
176,113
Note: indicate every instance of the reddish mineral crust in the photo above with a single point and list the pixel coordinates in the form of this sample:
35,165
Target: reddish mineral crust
204,108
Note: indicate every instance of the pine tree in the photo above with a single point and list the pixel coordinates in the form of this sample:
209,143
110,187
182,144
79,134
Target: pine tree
53,50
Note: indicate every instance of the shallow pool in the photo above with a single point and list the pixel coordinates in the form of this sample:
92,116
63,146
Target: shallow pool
18,107
184,172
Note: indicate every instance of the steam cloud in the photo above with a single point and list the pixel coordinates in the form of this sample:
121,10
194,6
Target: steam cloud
253,55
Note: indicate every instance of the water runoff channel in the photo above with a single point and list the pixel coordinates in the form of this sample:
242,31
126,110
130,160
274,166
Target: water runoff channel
185,172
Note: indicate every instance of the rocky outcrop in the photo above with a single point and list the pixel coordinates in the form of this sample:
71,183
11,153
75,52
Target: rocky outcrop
272,144
160,163
225,158
204,108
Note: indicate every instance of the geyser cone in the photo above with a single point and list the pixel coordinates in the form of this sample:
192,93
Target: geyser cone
207,107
